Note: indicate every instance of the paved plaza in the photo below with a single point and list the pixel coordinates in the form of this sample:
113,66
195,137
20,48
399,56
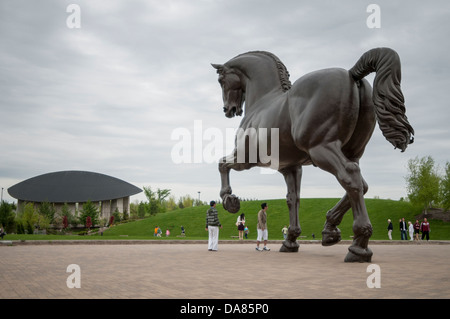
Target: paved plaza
236,271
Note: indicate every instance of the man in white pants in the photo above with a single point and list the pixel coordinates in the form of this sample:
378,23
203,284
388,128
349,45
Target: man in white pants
212,226
262,228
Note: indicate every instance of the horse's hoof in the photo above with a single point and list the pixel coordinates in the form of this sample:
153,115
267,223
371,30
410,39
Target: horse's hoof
231,203
331,237
358,254
289,247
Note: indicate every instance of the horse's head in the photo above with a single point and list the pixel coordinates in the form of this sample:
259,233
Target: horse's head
232,90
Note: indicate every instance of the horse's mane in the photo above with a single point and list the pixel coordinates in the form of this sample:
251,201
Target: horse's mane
282,70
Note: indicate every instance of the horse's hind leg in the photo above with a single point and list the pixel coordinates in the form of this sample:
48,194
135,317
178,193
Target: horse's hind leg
330,158
293,178
331,234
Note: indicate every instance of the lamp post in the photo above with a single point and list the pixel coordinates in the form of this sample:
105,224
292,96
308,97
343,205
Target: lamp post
1,201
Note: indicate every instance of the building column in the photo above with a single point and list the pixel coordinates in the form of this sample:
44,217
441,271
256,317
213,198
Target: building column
106,209
126,204
114,206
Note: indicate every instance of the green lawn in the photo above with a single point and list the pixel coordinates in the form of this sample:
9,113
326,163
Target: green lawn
312,218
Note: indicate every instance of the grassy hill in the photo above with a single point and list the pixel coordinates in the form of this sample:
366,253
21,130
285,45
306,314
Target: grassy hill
312,218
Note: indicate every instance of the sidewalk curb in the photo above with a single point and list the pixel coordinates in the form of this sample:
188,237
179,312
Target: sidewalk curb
203,242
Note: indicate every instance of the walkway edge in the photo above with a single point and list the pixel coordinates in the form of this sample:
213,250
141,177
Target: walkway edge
204,242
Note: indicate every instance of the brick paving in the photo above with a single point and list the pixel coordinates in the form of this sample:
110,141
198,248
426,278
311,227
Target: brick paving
122,270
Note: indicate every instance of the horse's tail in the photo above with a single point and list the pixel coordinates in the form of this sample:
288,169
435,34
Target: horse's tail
387,94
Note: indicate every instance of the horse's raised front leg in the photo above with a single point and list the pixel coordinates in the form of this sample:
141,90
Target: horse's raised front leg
293,178
330,158
230,202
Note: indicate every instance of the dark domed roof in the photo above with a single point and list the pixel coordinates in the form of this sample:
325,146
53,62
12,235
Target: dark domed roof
72,187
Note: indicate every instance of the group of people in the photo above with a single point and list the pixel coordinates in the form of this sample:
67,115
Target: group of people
158,232
213,224
413,230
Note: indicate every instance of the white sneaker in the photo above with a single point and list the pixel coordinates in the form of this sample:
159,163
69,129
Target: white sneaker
258,249
266,248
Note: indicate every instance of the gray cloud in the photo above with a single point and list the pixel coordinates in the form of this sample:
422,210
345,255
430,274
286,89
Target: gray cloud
107,97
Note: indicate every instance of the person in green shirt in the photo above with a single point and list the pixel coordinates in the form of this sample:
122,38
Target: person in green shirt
212,226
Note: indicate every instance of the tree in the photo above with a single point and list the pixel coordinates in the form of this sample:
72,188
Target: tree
445,188
116,215
142,210
27,217
88,222
154,207
198,202
134,210
151,195
47,210
171,203
65,212
65,222
7,217
423,182
30,217
89,209
162,195
43,222
156,200
187,201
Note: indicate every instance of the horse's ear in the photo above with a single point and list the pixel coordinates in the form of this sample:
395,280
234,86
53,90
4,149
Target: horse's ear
218,67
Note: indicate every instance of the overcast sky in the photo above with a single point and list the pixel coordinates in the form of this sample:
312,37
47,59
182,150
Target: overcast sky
106,97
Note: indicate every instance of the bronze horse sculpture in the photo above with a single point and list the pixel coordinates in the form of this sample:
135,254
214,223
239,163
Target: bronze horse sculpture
325,119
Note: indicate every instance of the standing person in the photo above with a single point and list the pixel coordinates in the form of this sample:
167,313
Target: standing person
240,223
155,231
390,229
425,228
262,228
167,233
410,230
284,230
416,230
212,226
403,229
246,232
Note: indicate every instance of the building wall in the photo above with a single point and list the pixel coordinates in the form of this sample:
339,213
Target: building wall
106,208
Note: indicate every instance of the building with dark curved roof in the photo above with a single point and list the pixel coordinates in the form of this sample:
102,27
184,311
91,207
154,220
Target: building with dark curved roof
75,188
